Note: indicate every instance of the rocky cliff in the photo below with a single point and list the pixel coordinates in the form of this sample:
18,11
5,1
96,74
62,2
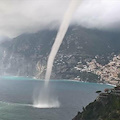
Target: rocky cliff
26,55
105,107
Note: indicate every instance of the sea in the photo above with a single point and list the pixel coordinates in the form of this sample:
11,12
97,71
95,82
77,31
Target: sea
17,96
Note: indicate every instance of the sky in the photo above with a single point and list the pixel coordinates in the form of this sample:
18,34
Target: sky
28,16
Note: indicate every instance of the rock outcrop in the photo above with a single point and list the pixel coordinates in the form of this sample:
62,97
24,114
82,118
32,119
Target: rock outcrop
105,107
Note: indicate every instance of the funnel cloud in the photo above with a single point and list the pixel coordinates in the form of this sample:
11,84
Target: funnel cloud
46,100
59,38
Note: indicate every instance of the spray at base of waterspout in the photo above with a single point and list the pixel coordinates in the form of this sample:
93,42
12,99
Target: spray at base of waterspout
46,99
55,104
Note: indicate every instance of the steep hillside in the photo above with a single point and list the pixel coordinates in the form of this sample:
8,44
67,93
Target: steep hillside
27,54
106,108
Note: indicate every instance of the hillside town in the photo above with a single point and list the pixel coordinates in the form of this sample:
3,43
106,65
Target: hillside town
109,73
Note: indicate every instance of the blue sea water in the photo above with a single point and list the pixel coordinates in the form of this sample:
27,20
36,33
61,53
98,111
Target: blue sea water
16,98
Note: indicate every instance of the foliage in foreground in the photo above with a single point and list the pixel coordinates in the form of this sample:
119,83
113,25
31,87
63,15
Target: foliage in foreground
108,109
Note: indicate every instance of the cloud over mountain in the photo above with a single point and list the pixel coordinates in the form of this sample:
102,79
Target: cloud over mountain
20,16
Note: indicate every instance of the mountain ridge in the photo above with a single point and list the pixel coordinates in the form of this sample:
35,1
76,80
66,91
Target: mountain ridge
79,44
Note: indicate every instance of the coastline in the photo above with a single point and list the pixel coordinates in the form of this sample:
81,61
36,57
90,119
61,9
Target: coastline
58,80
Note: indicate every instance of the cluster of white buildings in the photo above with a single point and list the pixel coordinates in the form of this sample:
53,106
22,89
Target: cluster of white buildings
109,72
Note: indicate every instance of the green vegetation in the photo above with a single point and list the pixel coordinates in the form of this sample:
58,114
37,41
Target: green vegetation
79,45
108,109
89,77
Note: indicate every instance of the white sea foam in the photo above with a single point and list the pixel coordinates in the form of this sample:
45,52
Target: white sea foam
53,104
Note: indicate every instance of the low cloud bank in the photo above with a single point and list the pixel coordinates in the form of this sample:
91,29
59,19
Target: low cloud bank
21,16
